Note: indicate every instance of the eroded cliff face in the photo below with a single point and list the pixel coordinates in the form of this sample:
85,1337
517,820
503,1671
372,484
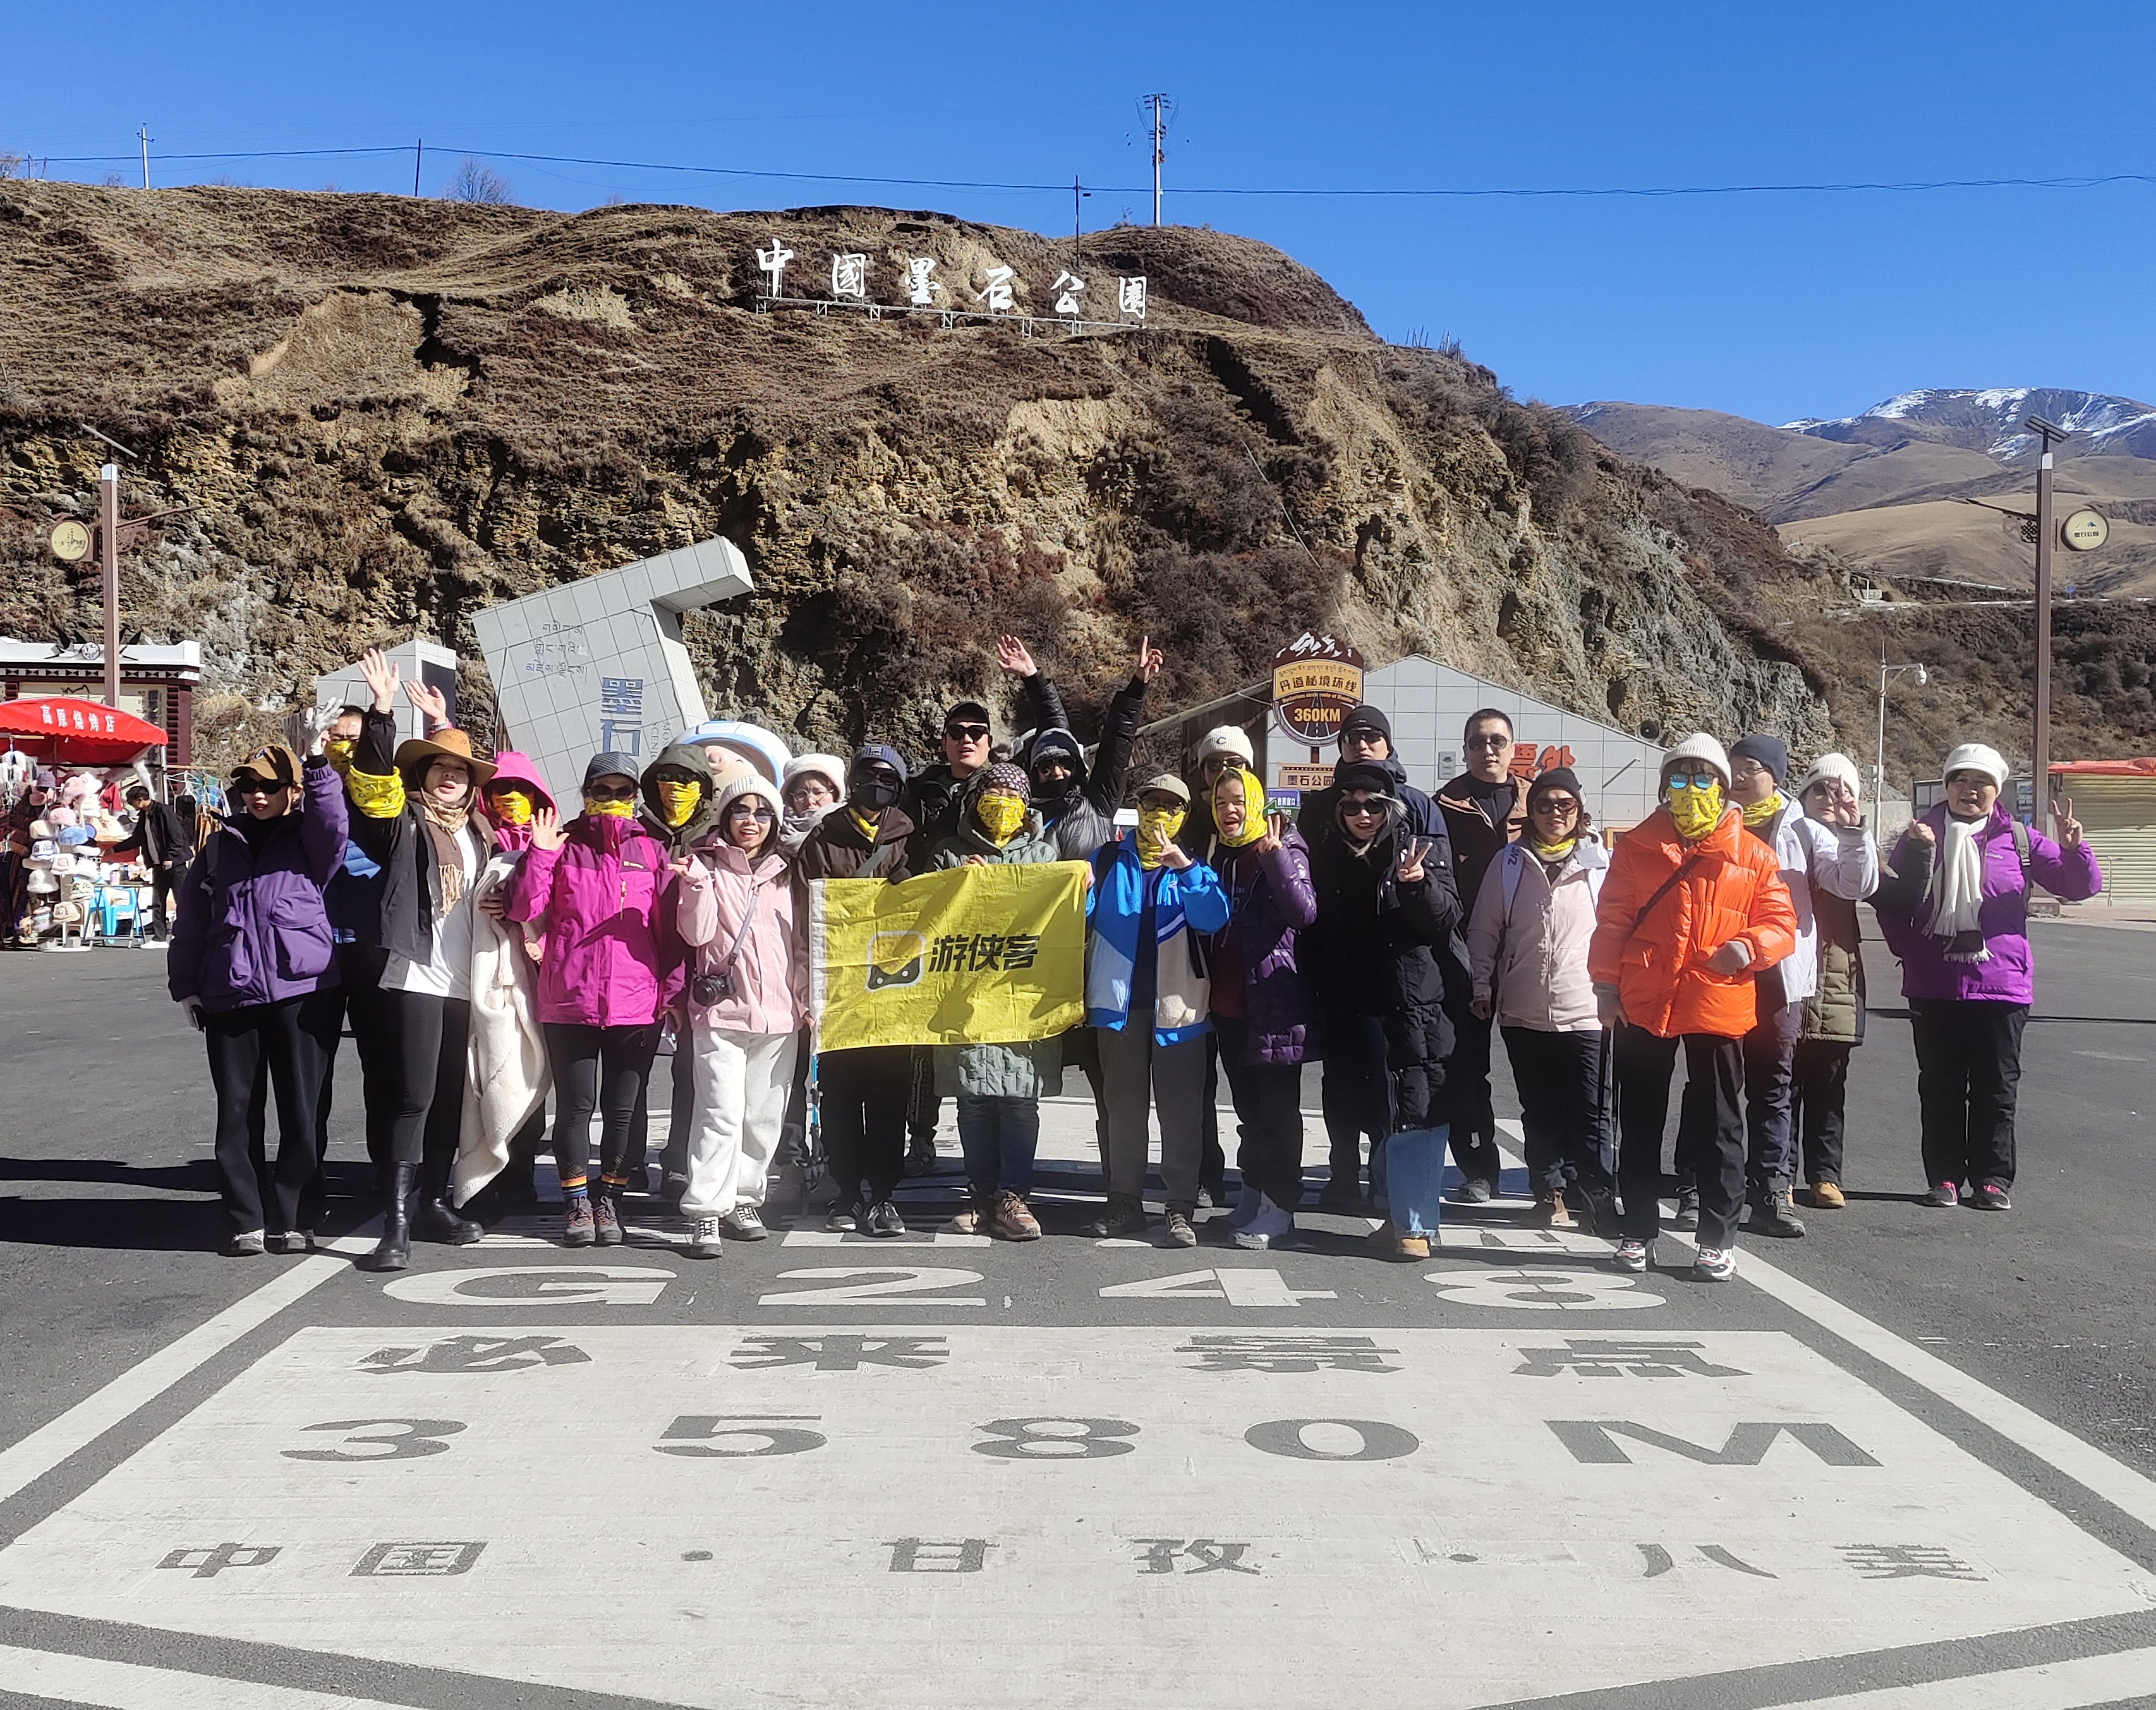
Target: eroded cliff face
391,413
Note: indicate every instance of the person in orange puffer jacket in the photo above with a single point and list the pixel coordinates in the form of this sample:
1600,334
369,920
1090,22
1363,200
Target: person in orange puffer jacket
1691,912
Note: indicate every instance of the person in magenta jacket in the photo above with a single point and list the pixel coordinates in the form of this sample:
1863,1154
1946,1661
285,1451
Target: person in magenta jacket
1957,917
614,965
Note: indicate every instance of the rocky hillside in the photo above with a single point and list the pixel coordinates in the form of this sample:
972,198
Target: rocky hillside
391,413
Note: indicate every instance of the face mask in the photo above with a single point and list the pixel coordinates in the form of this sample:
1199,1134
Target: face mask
677,801
1157,827
1000,815
1758,813
512,807
337,750
874,792
1696,811
610,810
1254,819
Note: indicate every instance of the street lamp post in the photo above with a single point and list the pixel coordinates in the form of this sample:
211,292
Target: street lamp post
2040,759
1879,757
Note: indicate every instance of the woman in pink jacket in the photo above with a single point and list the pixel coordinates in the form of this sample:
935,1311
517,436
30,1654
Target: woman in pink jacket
614,966
747,1002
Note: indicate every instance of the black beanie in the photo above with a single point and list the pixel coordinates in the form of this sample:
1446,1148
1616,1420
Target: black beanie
1367,717
1770,751
1556,778
1369,775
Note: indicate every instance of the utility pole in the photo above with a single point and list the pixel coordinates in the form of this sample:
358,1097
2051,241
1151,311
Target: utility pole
1161,104
1077,219
108,496
144,135
1879,754
419,154
2040,759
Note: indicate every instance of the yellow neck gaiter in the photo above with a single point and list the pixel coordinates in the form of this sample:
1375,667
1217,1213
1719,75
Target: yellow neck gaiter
1758,813
999,814
1696,811
337,751
1253,804
1157,829
608,810
866,826
1552,853
510,807
677,801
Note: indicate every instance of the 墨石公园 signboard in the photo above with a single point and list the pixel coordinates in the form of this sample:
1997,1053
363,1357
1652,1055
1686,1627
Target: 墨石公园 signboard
1317,680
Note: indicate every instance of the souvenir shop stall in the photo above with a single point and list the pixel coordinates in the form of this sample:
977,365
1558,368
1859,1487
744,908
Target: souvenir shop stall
65,763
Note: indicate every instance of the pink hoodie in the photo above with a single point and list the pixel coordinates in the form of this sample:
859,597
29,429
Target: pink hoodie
511,767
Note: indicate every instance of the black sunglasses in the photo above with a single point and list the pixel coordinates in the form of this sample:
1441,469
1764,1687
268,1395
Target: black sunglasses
597,793
254,786
967,732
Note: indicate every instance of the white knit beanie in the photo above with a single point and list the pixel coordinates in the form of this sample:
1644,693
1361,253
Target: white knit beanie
1839,767
829,767
1701,746
1976,757
1225,739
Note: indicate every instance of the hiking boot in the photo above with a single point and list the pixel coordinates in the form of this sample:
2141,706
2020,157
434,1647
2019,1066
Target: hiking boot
1389,1241
1772,1213
1827,1196
580,1230
1550,1212
920,1155
1124,1217
705,1238
1990,1196
1009,1219
1176,1229
1272,1228
246,1246
1633,1257
1714,1264
883,1220
743,1223
1944,1194
844,1219
606,1219
1687,1217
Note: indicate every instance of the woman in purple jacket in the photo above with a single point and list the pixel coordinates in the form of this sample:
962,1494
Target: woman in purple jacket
1958,919
251,964
1263,1011
604,889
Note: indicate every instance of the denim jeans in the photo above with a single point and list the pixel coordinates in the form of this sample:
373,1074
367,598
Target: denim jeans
998,1137
1414,1177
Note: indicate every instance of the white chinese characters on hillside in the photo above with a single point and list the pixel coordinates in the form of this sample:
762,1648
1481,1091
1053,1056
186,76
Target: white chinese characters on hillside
853,281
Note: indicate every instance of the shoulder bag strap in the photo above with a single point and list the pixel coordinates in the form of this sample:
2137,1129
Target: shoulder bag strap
1668,885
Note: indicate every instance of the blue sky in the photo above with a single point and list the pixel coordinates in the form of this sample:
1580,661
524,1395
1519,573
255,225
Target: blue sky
1772,306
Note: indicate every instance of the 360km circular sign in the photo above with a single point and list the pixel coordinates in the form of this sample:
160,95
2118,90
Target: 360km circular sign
1318,680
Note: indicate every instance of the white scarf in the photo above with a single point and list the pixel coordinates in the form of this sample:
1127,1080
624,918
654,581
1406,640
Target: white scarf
1958,891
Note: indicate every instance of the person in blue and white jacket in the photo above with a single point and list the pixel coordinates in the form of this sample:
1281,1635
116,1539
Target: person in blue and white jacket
1148,993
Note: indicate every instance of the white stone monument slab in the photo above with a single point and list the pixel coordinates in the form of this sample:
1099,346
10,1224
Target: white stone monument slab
598,665
417,661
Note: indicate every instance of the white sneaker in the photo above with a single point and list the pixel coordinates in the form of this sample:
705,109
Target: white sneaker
743,1224
1714,1264
1633,1256
1270,1227
704,1236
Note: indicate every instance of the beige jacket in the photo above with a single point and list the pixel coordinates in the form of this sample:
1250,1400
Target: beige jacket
1532,968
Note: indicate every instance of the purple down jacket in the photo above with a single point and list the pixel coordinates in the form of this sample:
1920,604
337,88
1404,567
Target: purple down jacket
252,927
1271,900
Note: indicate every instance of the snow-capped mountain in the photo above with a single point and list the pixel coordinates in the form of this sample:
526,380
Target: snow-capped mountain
1990,421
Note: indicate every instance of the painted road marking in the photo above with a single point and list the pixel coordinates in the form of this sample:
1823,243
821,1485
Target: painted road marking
1191,1482
2072,1685
549,1286
1543,1291
130,1685
900,1286
1236,1285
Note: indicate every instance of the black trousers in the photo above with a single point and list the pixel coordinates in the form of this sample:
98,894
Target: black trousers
1082,1045
1820,1090
291,1039
358,999
1268,1099
864,1095
432,1034
1968,1071
1356,1097
1212,1156
1474,1115
1559,1078
1710,1129
923,1108
164,885
601,1069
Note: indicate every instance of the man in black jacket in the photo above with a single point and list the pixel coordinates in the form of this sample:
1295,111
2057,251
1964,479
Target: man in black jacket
160,840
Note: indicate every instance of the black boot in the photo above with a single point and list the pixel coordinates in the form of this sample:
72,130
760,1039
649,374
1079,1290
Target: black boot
437,1219
1772,1213
394,1250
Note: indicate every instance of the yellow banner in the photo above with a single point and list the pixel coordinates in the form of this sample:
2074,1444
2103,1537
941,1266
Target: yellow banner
978,955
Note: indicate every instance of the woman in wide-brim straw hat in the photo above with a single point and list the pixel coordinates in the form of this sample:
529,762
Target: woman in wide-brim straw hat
432,842
1960,927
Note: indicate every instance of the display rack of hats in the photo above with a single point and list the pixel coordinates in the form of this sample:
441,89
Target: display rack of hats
72,895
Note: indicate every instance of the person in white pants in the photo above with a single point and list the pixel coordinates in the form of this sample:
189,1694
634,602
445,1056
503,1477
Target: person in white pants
747,1002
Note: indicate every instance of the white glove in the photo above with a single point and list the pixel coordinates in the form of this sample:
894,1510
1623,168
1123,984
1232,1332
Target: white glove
193,1006
304,729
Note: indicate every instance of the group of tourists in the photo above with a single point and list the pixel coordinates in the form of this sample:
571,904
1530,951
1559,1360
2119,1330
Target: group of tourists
491,947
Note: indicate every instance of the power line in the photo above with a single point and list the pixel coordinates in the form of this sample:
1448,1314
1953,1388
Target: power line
2080,182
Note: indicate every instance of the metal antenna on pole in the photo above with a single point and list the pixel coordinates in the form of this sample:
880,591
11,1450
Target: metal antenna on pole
2039,760
1162,107
144,135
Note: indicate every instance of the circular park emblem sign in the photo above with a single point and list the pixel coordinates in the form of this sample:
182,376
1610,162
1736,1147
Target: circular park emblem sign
1317,680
